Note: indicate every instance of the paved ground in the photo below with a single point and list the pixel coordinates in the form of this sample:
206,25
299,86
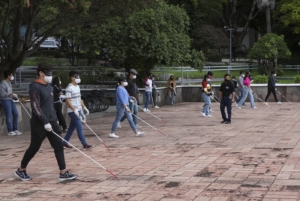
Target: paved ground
254,158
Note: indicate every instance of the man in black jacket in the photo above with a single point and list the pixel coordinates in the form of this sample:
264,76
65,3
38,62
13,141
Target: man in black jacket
272,88
227,98
42,122
132,90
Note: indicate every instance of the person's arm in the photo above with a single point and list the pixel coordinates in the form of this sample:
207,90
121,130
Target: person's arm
121,97
232,93
204,86
35,104
3,92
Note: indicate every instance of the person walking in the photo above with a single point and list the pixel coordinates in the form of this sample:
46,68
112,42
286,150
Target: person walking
272,88
133,91
226,94
123,98
148,91
42,123
171,86
75,107
206,93
241,86
57,94
155,93
210,77
6,99
246,92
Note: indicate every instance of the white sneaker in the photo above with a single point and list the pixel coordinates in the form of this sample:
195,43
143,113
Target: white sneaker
254,107
266,103
148,110
139,133
156,107
11,133
138,126
17,132
279,103
211,111
203,114
112,135
145,109
208,115
119,125
238,107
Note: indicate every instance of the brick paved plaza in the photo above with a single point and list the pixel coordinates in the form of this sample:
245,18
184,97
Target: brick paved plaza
254,158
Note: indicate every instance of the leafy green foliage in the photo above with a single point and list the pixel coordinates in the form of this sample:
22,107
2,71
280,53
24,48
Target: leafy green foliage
297,79
215,57
260,79
290,11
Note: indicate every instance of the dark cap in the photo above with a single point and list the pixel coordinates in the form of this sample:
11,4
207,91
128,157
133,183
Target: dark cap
133,71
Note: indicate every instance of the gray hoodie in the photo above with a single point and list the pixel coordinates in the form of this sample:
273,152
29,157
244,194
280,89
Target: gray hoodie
5,90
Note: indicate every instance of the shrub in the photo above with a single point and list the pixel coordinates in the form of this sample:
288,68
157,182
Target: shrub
261,79
215,57
48,53
297,79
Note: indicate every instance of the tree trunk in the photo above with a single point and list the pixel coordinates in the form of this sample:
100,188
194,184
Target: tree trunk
268,18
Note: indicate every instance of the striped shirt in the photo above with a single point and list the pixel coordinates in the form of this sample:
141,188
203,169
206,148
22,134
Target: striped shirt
73,93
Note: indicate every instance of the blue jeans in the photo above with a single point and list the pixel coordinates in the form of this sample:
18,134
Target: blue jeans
120,111
241,95
10,110
172,96
75,124
148,97
246,92
206,99
226,102
134,109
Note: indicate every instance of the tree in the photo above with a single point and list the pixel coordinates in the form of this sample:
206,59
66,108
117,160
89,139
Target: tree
267,5
290,10
42,17
209,37
268,50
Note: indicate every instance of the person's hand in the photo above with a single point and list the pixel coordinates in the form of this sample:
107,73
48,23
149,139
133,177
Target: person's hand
48,127
86,111
62,96
133,98
127,109
232,100
15,96
275,89
76,112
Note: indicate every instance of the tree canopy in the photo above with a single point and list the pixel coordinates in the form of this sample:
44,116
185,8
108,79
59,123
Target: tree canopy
290,10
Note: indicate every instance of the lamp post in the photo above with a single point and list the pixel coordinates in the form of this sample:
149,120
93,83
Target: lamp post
230,30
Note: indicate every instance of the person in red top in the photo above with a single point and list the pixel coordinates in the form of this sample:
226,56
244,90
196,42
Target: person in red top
206,93
246,92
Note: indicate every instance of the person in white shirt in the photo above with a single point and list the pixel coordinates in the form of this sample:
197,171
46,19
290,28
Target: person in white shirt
75,107
148,91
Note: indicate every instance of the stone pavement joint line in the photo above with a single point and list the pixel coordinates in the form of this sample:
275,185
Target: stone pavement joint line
257,157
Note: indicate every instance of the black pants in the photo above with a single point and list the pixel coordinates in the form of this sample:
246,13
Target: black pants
154,95
226,102
269,92
38,134
60,116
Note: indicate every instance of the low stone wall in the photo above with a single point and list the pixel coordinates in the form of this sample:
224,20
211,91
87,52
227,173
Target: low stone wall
184,94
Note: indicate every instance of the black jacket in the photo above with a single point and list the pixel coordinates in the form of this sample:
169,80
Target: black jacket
271,82
131,88
41,97
56,93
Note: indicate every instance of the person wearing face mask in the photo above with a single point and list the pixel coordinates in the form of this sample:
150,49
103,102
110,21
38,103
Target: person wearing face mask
171,86
226,94
247,92
43,122
6,99
272,88
209,78
241,87
58,96
76,111
206,93
148,91
123,98
133,91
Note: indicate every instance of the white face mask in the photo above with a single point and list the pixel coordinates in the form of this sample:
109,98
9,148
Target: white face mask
12,78
48,79
208,79
59,82
125,84
243,75
275,74
134,77
77,81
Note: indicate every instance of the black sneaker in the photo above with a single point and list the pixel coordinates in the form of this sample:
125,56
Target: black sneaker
87,147
67,176
22,175
222,122
228,122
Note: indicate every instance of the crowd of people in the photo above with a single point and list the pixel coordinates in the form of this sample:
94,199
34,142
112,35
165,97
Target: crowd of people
46,97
